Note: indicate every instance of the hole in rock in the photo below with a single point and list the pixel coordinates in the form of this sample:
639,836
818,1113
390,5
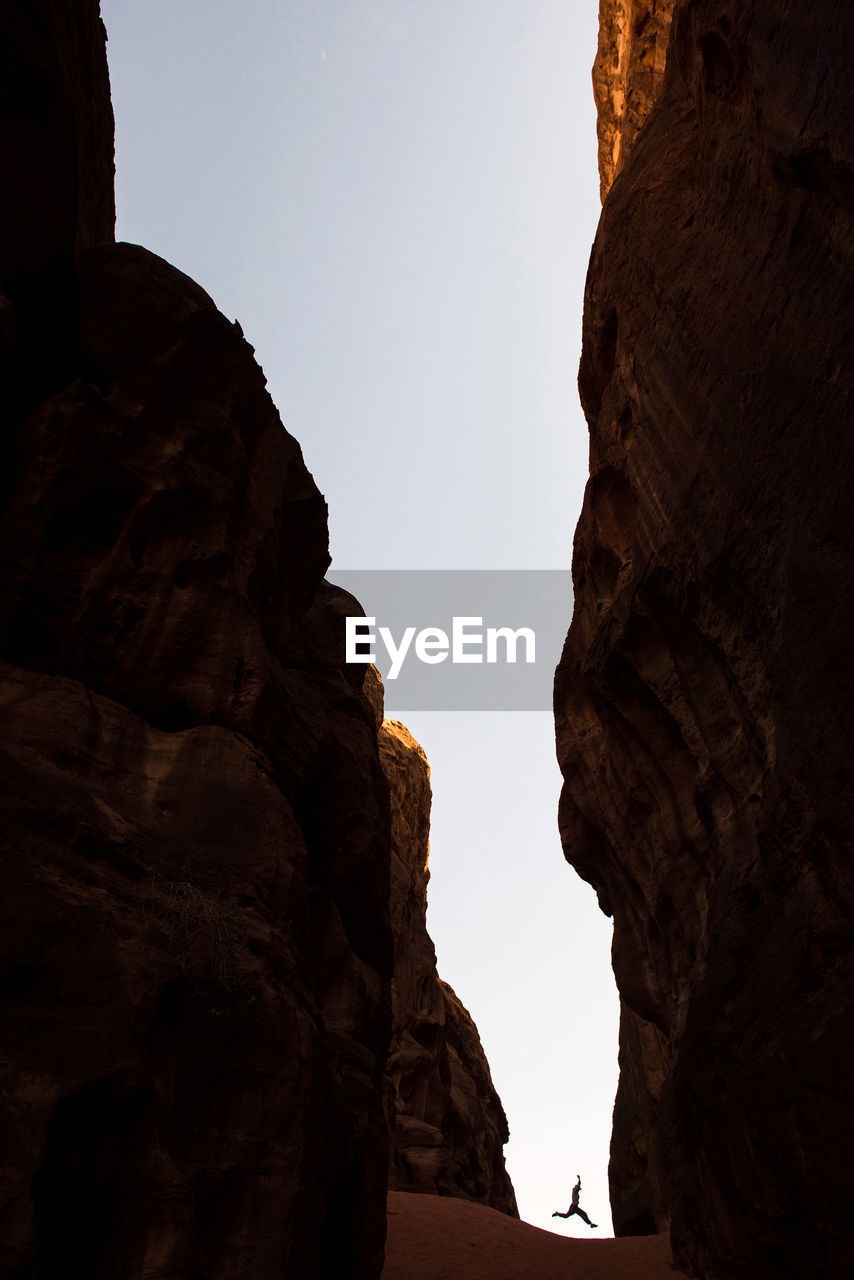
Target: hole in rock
717,64
83,1195
92,523
183,575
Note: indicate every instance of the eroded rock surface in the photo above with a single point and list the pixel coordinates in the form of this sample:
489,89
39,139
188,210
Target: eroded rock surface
447,1126
195,992
704,698
627,75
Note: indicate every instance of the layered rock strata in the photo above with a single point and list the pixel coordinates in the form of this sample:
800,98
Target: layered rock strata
195,992
704,697
447,1127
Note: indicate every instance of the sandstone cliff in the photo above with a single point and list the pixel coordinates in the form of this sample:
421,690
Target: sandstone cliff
704,697
627,75
447,1127
196,948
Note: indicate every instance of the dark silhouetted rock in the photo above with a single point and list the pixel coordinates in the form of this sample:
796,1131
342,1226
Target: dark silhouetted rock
195,987
704,698
56,144
446,1123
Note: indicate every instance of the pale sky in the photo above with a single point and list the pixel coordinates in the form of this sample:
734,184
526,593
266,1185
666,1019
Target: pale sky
397,202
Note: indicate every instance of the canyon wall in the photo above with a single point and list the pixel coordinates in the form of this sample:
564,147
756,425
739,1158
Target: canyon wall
207,831
704,696
195,991
447,1127
627,75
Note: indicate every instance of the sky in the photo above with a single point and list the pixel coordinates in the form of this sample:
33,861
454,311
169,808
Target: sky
397,201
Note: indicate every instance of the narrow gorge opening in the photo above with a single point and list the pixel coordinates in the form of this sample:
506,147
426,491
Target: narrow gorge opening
397,204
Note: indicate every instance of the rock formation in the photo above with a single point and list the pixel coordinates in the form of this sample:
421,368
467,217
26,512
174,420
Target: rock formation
447,1127
196,982
704,697
197,955
627,75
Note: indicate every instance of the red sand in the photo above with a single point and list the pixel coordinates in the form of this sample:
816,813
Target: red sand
439,1238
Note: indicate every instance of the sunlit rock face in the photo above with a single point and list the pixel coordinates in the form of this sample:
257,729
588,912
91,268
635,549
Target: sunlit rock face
704,698
195,995
446,1124
627,75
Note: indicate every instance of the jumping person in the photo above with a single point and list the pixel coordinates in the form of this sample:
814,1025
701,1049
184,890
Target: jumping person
573,1208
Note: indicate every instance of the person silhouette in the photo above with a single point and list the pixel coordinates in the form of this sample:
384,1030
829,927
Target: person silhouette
573,1208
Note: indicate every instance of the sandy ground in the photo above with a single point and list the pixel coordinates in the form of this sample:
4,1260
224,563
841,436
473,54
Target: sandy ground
438,1238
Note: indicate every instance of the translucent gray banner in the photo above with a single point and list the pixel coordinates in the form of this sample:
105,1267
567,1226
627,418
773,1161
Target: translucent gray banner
459,640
